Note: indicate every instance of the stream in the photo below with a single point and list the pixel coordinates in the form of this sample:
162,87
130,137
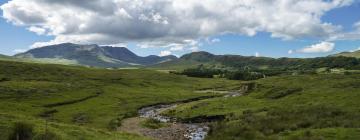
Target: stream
193,131
178,130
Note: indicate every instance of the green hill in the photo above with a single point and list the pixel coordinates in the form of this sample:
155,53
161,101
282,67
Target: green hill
5,57
323,106
86,103
241,62
349,54
91,103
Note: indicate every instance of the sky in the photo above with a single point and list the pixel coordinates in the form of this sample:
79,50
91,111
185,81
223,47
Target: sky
271,28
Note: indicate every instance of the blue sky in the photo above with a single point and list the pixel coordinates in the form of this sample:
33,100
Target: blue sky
16,38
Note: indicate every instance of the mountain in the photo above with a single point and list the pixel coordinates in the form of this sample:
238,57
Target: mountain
188,61
209,60
349,54
91,55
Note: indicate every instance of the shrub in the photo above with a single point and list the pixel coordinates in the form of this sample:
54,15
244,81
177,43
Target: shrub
277,93
22,131
114,124
152,123
47,136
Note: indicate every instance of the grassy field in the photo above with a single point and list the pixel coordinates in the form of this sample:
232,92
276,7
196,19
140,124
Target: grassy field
87,103
323,106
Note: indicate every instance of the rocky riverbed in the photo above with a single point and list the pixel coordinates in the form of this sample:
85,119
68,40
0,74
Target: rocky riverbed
193,131
174,129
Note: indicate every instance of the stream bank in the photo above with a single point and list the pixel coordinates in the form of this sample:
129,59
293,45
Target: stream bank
192,129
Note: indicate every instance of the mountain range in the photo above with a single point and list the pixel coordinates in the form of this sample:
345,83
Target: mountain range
117,57
92,55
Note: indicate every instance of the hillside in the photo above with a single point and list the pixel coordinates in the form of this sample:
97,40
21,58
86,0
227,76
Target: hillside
90,103
349,54
86,103
5,57
285,107
194,59
90,55
188,61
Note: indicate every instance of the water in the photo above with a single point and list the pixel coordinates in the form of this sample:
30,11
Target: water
193,132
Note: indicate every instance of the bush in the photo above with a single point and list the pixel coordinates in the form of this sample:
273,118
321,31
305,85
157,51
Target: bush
47,136
277,93
152,123
22,131
201,72
244,75
114,124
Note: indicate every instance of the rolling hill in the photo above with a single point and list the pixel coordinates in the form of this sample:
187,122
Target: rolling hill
349,54
195,59
86,103
91,55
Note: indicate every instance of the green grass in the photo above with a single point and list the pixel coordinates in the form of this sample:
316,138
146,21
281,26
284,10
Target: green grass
83,99
62,130
89,103
153,124
285,107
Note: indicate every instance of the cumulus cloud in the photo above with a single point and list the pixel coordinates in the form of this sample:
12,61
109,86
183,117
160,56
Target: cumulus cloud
257,54
322,47
165,53
37,30
169,21
352,35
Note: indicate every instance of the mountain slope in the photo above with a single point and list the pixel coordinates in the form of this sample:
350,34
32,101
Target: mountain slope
91,55
239,62
3,56
189,60
349,54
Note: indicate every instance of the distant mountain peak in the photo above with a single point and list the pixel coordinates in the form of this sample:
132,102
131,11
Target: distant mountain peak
92,55
201,56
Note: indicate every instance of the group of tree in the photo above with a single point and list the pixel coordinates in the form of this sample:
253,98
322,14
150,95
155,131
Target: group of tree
290,63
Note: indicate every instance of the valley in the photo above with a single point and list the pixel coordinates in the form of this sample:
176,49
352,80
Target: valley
199,96
180,70
94,103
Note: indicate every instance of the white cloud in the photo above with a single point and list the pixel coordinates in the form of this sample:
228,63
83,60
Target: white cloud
357,25
177,48
257,54
322,47
165,53
37,30
194,49
351,35
290,52
124,45
19,50
215,40
169,21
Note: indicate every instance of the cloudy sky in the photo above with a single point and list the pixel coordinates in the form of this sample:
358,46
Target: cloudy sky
275,28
